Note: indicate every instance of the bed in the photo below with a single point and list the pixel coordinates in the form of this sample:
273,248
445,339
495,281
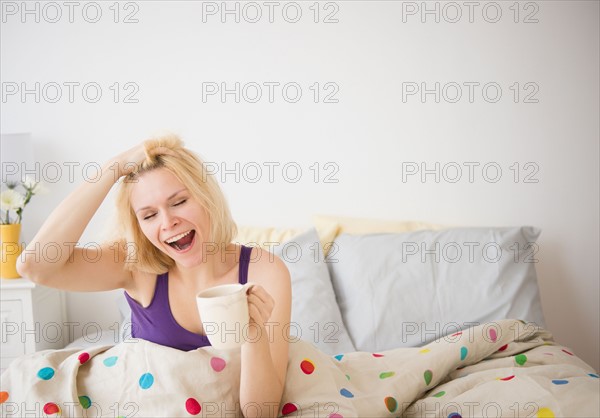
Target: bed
388,319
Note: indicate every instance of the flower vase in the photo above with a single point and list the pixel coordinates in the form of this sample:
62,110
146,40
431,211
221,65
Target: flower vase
11,249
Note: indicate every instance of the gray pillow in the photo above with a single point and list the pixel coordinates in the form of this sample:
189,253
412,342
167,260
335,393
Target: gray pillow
405,290
316,316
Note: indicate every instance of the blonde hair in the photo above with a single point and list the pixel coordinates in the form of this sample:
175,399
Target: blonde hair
190,171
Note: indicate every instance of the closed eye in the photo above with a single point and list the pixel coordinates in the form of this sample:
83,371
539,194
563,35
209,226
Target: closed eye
181,202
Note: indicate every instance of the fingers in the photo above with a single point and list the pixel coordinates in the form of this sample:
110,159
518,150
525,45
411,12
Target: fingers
159,151
260,304
256,315
258,311
259,292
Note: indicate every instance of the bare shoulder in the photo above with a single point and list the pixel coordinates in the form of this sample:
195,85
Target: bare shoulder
267,269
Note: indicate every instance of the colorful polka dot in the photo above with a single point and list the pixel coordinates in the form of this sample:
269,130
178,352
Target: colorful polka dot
391,404
338,357
593,375
428,375
85,401
424,351
348,376
110,361
507,378
307,366
83,357
334,415
3,396
456,334
288,408
217,364
521,359
493,335
504,347
46,373
377,355
51,408
192,406
569,353
346,393
439,394
560,382
385,375
545,413
146,380
463,353
455,415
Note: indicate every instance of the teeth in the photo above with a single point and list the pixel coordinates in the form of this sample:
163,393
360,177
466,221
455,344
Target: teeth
177,237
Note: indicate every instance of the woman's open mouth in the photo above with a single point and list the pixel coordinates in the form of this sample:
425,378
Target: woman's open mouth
182,242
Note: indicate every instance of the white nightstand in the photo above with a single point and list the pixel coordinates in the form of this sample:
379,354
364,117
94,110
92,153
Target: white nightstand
32,318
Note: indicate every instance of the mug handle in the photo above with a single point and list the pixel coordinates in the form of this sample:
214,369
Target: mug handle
246,287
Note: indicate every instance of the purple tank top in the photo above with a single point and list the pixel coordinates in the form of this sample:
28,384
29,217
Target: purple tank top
156,322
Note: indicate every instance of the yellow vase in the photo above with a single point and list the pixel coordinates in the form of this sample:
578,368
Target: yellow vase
11,249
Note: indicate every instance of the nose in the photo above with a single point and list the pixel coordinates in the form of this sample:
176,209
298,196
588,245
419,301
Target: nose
169,220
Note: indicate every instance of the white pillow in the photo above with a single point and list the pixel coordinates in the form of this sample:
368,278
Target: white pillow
393,292
316,316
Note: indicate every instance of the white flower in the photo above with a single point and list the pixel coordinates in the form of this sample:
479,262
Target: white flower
11,200
30,184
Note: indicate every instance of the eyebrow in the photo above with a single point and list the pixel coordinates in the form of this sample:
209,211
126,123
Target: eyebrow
168,198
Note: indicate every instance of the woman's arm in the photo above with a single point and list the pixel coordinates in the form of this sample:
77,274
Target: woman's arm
265,355
70,267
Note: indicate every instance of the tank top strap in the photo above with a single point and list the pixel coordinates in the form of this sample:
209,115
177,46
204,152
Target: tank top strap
161,290
244,263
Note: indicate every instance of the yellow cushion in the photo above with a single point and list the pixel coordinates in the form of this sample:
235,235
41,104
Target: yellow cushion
261,236
361,226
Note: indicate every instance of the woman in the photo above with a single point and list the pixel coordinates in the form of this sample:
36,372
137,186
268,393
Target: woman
178,232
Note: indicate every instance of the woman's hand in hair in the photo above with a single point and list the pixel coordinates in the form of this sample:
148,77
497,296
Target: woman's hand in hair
129,161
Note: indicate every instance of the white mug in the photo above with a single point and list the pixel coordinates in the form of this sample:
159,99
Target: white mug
224,314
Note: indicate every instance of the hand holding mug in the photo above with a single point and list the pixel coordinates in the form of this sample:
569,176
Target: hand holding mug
260,308
233,314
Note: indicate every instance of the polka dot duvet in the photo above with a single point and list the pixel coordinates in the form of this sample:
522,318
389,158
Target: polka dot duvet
505,368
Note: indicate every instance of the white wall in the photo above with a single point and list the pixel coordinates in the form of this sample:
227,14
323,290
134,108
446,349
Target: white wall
370,54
